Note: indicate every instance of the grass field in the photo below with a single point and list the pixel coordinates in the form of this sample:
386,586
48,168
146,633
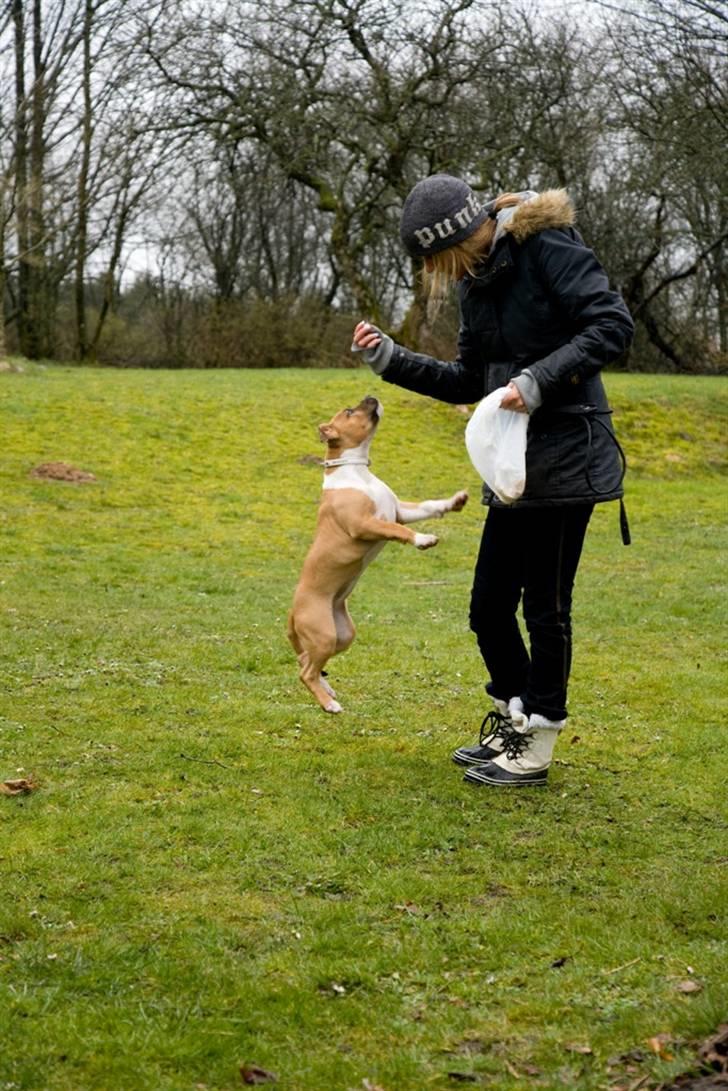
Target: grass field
213,873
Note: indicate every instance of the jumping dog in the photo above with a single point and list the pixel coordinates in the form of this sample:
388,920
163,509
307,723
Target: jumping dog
358,515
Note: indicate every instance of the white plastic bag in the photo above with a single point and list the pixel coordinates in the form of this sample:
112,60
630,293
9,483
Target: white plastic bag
496,442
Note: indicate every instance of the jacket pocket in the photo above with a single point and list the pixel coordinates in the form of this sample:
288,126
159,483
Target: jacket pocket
573,450
542,464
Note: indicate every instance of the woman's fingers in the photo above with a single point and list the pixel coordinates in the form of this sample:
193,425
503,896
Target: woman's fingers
512,400
365,336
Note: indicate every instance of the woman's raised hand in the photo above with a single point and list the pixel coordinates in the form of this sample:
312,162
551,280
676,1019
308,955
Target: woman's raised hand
367,336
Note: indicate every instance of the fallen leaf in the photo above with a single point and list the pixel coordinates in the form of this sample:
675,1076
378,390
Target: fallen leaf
660,1045
689,986
408,907
575,1047
252,1073
17,787
369,1086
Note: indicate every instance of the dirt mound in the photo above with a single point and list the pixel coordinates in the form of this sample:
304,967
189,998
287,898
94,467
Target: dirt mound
61,471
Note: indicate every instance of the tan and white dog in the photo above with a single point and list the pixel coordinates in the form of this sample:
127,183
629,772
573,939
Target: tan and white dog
357,516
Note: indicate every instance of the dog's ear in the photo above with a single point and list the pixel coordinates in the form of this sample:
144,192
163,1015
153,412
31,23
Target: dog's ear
327,432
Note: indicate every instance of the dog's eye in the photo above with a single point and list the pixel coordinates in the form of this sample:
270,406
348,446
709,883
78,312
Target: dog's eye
348,412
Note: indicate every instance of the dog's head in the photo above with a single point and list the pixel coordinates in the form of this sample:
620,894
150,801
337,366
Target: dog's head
351,427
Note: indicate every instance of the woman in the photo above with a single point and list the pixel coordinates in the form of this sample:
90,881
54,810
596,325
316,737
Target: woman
537,316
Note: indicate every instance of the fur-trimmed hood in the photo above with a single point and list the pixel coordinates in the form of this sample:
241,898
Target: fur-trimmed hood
552,208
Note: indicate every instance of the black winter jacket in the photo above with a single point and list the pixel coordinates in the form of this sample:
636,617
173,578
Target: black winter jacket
541,301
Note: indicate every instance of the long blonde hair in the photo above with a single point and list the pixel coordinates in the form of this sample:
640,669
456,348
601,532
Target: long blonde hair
463,258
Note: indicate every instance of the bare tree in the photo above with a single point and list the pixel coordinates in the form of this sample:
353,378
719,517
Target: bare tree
82,157
350,99
669,117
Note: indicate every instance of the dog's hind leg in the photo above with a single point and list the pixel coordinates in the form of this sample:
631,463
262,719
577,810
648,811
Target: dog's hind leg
316,636
310,675
302,656
303,662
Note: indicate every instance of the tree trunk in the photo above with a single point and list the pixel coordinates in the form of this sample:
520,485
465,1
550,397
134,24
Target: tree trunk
21,174
40,306
82,346
3,226
3,342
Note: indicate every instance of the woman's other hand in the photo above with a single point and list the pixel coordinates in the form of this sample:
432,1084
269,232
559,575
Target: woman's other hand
512,399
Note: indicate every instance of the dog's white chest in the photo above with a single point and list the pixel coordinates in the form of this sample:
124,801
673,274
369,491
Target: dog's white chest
359,477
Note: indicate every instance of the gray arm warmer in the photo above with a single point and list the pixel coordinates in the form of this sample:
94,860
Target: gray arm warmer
529,390
378,357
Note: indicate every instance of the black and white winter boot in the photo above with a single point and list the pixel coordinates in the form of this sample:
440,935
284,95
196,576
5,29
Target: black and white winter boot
526,757
495,730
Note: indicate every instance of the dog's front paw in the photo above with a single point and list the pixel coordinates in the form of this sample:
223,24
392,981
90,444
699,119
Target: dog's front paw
459,500
426,541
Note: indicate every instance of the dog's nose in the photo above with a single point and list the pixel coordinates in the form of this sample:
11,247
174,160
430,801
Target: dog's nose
373,406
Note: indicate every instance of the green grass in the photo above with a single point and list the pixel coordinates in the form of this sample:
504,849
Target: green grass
213,872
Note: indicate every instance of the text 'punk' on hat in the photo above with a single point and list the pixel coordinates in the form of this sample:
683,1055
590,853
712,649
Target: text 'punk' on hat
439,212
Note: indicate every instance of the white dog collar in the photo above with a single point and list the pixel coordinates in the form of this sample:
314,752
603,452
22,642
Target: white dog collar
346,462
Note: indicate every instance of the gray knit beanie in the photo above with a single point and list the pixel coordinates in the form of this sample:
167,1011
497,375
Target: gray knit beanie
439,212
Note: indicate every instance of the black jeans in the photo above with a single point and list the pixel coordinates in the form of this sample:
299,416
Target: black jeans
534,553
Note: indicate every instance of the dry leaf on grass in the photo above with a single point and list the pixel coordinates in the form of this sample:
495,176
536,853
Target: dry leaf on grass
252,1073
689,986
17,787
661,1045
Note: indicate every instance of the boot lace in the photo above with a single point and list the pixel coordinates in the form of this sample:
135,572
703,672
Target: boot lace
516,743
495,726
